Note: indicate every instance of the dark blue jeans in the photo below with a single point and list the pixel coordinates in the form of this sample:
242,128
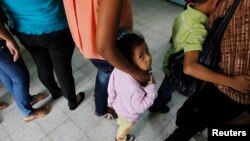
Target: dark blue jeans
164,95
101,85
15,77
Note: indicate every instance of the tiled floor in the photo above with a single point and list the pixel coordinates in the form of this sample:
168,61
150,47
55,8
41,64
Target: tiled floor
154,19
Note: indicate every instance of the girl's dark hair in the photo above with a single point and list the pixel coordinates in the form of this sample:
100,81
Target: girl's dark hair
127,42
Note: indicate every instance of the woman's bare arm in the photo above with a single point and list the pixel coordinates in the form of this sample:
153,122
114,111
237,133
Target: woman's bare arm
109,14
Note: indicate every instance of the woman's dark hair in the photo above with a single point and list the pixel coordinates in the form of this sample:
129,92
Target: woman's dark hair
127,42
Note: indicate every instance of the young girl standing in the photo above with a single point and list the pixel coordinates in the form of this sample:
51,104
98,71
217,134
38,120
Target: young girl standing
127,96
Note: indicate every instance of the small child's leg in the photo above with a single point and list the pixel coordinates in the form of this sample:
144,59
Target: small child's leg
164,96
123,129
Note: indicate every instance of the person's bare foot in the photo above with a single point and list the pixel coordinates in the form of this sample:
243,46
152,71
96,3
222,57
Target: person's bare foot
38,113
38,97
3,105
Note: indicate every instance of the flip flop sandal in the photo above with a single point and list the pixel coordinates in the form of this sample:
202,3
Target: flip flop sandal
38,113
38,97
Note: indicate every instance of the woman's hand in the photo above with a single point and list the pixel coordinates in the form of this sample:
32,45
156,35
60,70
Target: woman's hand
13,48
10,42
241,83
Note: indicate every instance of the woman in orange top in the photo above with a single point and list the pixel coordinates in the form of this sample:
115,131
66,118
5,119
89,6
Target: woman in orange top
94,25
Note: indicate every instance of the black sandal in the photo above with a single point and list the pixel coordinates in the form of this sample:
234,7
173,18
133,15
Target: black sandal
82,96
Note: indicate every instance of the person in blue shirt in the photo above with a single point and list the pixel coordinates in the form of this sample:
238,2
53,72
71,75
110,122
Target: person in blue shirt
41,26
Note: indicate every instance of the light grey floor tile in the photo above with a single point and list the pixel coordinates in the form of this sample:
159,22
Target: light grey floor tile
84,83
31,131
158,121
84,138
158,75
168,130
12,121
54,119
85,118
68,131
6,139
46,138
36,87
3,133
158,56
89,70
7,97
103,131
78,60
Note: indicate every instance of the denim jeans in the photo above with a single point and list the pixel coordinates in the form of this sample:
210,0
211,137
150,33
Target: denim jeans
101,85
164,95
15,77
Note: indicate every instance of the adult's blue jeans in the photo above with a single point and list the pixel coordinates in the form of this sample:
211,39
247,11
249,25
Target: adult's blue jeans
101,85
15,77
164,95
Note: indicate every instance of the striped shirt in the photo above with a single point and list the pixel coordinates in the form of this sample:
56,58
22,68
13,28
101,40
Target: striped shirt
235,46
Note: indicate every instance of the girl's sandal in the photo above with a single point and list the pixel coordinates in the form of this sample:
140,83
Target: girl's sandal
111,114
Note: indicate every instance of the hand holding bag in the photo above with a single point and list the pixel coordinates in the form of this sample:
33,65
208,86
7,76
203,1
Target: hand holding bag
210,57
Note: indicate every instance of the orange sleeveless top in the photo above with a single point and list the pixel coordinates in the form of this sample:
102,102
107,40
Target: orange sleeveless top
82,20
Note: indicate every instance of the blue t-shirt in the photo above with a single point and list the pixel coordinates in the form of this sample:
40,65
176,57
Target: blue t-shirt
35,16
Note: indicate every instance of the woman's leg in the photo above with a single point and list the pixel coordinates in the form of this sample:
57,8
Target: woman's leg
101,85
61,55
16,81
43,62
54,51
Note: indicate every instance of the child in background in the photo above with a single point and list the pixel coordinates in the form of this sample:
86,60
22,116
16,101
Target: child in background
127,96
188,34
216,104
